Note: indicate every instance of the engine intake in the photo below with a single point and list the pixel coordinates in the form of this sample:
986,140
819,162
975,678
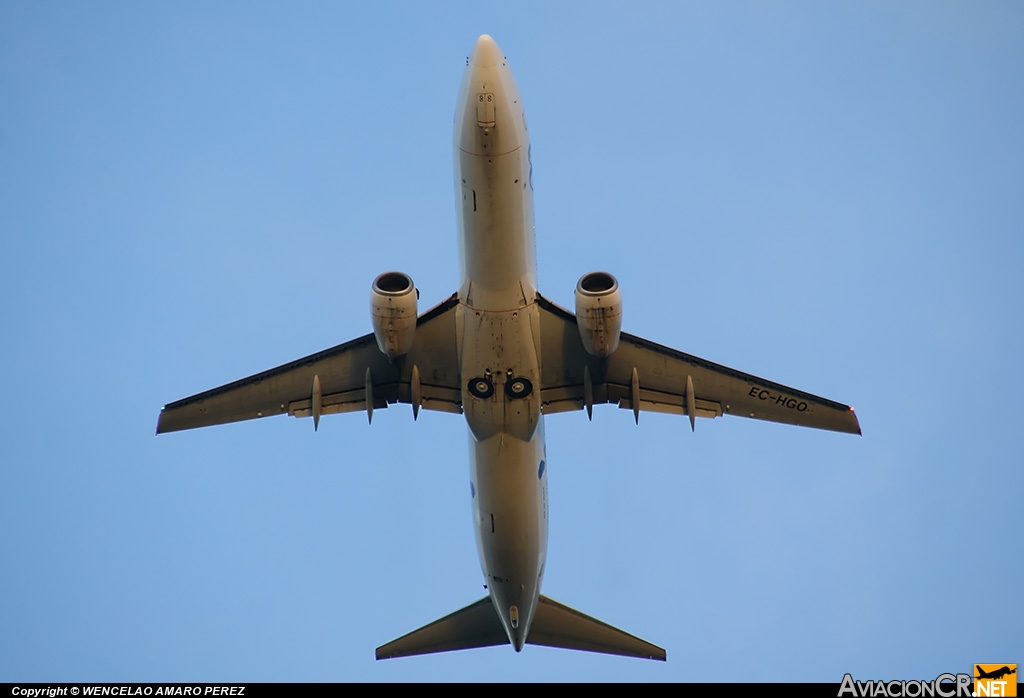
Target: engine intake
393,312
599,312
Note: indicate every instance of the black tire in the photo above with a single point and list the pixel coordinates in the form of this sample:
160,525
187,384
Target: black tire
518,388
481,387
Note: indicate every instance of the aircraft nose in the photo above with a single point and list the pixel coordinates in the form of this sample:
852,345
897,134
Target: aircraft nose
486,53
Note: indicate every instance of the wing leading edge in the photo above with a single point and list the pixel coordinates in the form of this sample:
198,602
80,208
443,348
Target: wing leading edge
349,377
643,376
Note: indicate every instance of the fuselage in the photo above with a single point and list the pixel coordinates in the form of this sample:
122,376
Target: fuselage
498,325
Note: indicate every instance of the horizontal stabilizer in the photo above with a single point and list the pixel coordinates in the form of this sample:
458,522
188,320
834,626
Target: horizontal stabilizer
476,625
556,625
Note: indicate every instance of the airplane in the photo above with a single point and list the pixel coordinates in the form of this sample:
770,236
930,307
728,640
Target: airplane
505,357
995,673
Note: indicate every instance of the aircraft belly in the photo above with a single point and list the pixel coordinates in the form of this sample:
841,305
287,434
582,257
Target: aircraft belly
499,337
497,235
493,187
500,368
510,511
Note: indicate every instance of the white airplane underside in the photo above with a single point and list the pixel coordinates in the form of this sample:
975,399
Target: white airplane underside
504,356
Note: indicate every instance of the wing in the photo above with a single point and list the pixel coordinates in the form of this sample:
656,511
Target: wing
350,377
642,375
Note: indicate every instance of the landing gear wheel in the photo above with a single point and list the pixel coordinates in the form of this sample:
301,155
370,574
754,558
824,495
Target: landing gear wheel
482,388
517,388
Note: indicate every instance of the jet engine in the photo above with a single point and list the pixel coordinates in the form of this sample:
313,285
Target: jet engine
599,312
393,311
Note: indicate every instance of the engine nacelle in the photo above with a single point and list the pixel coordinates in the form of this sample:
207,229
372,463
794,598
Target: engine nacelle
393,311
599,312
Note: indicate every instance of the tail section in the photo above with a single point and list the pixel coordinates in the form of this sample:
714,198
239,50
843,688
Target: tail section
557,625
554,625
476,625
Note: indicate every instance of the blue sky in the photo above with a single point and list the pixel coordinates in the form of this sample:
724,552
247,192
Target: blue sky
826,195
